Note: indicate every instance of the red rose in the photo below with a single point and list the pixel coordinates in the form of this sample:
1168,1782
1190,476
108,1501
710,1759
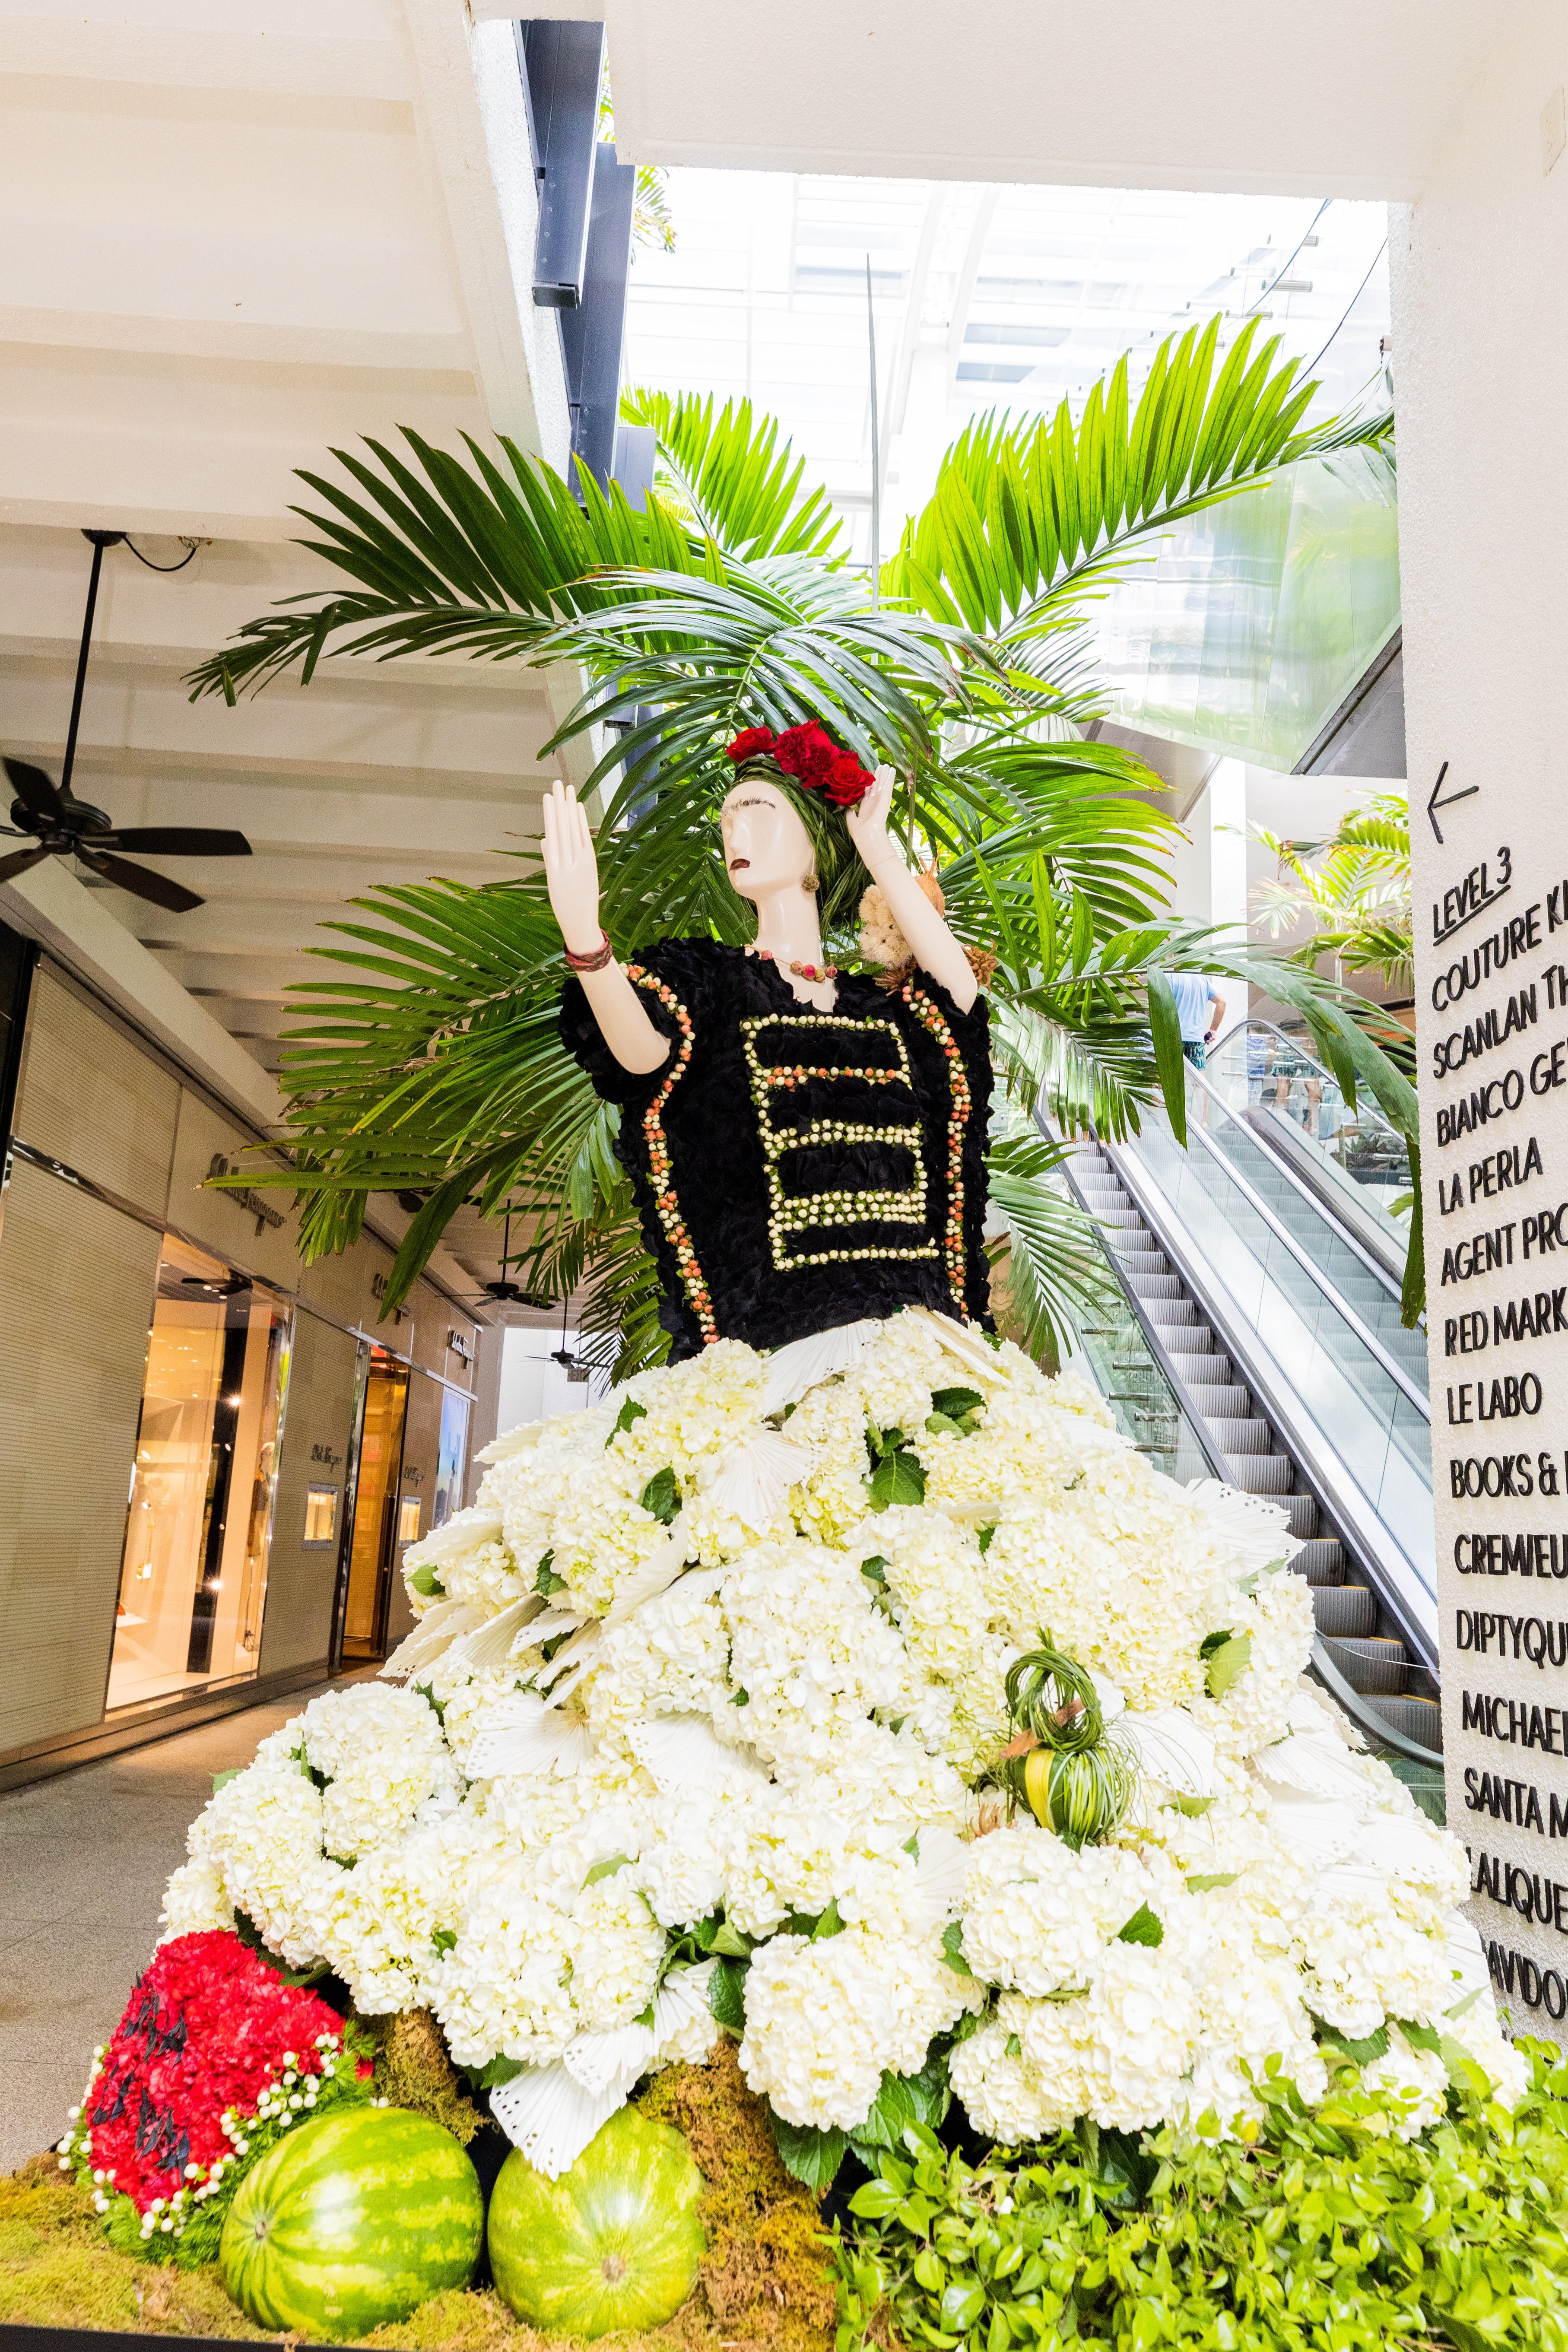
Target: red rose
750,743
847,781
807,754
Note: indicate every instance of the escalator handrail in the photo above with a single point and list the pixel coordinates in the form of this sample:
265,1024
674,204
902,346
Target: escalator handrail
1341,1305
1238,1344
1364,1717
1253,1020
1258,1138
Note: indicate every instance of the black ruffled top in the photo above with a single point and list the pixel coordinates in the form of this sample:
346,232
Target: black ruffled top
796,1169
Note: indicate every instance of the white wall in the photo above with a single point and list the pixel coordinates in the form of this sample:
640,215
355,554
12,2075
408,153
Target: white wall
533,1387
1481,343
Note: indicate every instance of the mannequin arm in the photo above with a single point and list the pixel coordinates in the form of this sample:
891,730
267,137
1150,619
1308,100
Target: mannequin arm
932,944
571,874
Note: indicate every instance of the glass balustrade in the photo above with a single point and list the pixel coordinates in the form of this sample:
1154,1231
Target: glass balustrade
1275,1085
1281,1270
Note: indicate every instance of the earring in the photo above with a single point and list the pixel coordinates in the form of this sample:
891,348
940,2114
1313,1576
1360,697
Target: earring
811,886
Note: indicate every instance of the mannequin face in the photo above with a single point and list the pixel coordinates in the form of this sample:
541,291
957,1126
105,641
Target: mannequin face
766,847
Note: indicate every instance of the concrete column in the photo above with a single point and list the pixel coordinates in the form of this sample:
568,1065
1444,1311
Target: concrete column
1480,362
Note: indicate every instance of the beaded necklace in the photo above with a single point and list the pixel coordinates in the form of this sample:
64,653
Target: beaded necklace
801,971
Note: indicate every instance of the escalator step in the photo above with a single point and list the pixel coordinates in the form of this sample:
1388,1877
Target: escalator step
1247,1436
1154,1285
1369,1665
1261,1474
1301,1515
1219,1400
1417,1718
1344,1609
1174,1313
1321,1561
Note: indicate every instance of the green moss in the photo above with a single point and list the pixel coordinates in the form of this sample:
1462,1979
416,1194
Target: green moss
58,2270
768,2265
766,2285
413,2070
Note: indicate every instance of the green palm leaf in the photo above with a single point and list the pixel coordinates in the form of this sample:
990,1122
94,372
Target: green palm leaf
1022,506
732,475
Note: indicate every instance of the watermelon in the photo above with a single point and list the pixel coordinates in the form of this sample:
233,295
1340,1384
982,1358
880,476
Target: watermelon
614,2244
349,2221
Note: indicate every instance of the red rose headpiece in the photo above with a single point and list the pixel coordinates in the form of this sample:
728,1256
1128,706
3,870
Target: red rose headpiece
811,756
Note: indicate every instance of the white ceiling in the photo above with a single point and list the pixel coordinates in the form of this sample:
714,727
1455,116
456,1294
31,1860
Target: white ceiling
1348,97
227,242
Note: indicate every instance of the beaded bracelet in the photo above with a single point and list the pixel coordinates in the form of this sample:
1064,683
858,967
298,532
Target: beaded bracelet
596,959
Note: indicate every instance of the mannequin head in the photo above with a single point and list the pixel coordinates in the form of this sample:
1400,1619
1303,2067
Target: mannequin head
767,846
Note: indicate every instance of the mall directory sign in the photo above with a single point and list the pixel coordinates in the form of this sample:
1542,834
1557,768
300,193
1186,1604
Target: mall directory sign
1491,980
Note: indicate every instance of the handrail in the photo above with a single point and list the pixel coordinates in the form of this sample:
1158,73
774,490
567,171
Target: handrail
1363,1715
1341,1305
1306,1192
1255,1021
1239,1344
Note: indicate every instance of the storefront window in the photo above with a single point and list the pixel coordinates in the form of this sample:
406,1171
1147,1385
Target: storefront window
194,1575
375,1509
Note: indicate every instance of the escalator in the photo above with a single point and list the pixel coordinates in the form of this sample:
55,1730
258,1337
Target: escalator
1258,1339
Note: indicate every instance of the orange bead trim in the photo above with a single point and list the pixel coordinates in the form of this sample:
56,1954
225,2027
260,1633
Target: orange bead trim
930,1018
660,1166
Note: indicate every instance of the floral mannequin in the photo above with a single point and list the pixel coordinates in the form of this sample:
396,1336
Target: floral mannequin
806,1148
769,857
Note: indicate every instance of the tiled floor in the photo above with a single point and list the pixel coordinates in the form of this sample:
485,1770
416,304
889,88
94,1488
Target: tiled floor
83,1862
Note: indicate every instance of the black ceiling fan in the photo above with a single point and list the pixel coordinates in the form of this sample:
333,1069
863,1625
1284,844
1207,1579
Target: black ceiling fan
64,826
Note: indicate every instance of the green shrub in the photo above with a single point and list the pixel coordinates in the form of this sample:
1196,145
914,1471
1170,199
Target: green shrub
1324,2232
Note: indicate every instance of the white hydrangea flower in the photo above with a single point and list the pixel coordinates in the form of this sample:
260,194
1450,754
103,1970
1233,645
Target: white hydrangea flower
1140,2025
382,1754
1416,2083
194,1898
817,2020
1021,2076
1038,1916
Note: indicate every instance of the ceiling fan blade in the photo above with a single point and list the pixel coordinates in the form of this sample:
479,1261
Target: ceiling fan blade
18,864
141,880
33,788
176,841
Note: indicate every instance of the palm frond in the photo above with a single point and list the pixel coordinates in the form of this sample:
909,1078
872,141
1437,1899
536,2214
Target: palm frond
1053,1267
1022,506
479,559
733,474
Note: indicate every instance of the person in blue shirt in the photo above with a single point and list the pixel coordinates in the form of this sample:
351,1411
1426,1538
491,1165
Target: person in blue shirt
1195,1003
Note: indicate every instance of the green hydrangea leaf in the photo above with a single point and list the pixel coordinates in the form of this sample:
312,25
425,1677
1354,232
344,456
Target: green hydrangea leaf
1146,1927
955,1402
812,2157
1231,1658
952,1948
661,1496
897,1478
629,1413
727,1994
426,1582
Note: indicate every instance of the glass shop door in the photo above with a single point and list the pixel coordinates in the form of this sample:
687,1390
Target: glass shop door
373,1551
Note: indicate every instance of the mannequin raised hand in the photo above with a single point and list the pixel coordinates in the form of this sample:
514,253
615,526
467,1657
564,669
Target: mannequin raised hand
571,869
932,944
572,879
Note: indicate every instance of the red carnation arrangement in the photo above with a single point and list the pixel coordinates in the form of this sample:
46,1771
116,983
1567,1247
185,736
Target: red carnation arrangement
214,2057
809,754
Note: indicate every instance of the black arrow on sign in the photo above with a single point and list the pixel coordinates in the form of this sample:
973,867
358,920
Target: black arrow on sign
1434,805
